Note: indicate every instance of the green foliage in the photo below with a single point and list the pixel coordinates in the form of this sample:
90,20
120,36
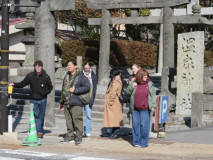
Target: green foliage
208,58
126,53
144,12
80,15
87,49
122,52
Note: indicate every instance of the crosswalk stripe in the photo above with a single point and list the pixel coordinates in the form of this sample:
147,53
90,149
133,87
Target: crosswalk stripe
89,158
8,158
30,153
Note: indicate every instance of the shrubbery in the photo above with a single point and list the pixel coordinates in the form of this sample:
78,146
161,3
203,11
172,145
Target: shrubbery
122,52
208,58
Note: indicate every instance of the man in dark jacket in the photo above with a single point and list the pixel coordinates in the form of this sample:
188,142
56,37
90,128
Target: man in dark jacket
40,86
74,85
88,108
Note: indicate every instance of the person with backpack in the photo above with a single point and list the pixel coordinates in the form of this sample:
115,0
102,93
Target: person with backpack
40,86
142,96
135,68
113,117
88,107
75,84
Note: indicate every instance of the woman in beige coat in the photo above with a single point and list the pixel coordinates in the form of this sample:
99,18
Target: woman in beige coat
113,117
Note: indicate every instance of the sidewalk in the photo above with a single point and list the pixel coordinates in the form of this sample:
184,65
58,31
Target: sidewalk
120,148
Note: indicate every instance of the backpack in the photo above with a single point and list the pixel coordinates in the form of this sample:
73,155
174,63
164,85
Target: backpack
87,97
122,96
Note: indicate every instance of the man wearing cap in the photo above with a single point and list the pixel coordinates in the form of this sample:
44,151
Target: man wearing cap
40,86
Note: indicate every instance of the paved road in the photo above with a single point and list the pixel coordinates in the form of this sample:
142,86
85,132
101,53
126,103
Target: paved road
189,144
203,135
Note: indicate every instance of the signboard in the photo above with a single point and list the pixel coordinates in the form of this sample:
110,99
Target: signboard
164,101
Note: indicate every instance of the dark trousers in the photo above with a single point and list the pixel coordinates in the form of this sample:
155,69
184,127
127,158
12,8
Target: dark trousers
39,113
74,121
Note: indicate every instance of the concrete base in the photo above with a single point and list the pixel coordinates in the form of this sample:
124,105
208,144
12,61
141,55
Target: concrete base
154,135
13,135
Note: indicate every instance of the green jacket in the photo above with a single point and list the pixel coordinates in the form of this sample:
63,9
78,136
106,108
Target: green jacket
130,94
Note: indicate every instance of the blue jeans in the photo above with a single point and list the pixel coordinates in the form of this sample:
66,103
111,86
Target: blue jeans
39,113
88,109
140,128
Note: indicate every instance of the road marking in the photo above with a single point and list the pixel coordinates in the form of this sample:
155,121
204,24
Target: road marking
8,158
29,153
89,158
45,155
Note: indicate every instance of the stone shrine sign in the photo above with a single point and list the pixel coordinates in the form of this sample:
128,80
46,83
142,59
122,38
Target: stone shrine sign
190,62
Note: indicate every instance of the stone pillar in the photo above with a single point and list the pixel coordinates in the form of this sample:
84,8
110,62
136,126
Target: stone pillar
28,41
45,51
166,85
79,62
168,38
104,52
197,110
160,52
134,13
189,69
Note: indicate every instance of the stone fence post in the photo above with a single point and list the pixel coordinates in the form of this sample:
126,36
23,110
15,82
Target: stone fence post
197,109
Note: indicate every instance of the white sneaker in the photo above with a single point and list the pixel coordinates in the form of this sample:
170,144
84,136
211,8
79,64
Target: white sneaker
67,141
137,146
88,135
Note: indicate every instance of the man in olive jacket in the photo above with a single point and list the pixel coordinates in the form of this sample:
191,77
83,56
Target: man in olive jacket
74,85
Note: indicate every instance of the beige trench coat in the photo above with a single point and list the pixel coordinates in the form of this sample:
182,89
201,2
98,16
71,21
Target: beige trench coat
113,116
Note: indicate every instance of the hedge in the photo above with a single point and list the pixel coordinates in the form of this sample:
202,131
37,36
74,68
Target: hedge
122,52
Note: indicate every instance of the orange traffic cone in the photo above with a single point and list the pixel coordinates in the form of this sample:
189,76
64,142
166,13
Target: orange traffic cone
32,139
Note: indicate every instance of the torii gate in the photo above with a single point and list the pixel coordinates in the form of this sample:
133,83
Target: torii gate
105,6
168,19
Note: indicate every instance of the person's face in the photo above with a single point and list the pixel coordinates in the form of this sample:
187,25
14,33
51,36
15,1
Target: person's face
71,67
145,78
38,69
135,69
86,68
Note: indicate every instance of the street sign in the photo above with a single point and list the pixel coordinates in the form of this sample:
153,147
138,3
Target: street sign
164,109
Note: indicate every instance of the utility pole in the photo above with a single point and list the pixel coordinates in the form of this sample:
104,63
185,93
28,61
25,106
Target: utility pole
4,65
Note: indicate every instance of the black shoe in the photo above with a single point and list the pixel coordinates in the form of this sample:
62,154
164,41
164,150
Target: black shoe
114,136
129,134
78,141
84,136
105,135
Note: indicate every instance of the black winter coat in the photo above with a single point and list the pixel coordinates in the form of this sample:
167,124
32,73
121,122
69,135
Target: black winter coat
82,86
40,85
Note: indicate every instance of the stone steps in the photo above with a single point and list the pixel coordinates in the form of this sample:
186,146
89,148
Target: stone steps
21,101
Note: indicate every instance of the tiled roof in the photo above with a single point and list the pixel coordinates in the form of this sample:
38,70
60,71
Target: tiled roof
14,21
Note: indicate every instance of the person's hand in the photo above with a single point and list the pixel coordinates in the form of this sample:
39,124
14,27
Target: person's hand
72,89
11,84
61,106
153,109
134,84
